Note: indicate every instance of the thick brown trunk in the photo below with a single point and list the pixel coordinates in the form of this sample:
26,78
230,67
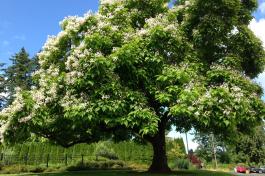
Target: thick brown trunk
159,162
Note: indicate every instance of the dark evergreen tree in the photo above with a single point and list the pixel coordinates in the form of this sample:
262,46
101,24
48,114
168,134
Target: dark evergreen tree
19,73
2,87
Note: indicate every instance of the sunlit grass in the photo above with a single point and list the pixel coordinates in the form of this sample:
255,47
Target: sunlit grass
130,173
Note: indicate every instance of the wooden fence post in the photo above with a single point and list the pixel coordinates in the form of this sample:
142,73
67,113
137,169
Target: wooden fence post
47,161
26,158
66,159
82,159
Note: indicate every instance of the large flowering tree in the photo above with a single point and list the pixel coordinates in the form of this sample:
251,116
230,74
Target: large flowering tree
138,67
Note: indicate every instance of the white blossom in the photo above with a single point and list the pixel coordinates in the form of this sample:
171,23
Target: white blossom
25,119
226,112
3,127
234,31
105,97
72,76
39,97
109,2
16,105
197,113
236,89
72,62
70,101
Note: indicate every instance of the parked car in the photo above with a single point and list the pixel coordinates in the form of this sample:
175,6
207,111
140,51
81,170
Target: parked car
240,169
253,169
262,169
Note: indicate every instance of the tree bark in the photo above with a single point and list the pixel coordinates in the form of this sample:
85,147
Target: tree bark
159,162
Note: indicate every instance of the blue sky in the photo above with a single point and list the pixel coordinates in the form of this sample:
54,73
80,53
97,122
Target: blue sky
27,24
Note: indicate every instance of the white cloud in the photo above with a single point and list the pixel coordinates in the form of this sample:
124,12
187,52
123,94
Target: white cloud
261,80
258,27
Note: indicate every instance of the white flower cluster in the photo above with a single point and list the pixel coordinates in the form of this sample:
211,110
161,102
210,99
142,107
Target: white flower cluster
72,61
70,24
220,67
231,70
50,47
105,97
7,113
48,81
73,23
159,20
104,22
39,97
25,119
109,2
234,92
16,106
47,76
72,76
52,91
50,43
3,127
53,71
70,101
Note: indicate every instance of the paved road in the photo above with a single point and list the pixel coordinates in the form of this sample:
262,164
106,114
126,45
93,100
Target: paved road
252,174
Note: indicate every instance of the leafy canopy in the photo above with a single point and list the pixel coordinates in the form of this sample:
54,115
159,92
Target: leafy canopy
135,64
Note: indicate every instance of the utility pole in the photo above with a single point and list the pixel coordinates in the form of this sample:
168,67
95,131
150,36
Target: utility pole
214,151
187,142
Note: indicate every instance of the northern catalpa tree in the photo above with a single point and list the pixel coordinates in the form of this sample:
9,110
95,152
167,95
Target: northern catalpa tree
138,67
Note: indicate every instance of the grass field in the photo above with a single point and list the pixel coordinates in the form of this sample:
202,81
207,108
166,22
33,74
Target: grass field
128,173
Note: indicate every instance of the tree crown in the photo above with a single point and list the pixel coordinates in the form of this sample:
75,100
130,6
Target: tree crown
137,64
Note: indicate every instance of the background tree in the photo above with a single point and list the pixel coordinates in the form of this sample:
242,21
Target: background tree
2,87
247,148
175,148
250,148
18,74
141,66
205,148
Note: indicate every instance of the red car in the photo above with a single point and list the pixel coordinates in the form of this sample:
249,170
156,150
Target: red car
240,169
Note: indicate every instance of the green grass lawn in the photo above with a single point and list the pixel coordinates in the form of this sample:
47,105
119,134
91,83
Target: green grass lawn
130,173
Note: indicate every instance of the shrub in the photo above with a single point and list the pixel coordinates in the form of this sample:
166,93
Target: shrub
182,164
110,164
37,169
104,150
14,169
55,169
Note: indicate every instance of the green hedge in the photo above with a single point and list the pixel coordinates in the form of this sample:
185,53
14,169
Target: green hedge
39,153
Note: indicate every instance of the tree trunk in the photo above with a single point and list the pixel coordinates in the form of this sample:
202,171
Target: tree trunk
159,162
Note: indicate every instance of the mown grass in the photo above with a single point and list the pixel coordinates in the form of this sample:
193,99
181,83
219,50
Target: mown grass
130,173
